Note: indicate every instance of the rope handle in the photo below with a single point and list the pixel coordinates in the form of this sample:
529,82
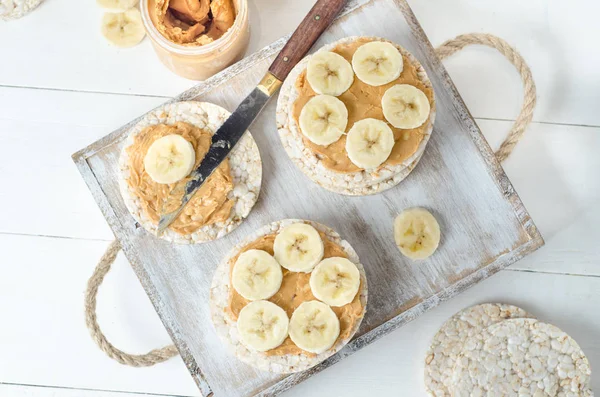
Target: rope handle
445,50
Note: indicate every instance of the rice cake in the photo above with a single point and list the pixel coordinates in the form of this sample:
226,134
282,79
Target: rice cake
226,327
244,160
521,357
354,183
448,342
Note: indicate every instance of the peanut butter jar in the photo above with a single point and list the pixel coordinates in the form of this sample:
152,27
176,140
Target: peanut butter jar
192,38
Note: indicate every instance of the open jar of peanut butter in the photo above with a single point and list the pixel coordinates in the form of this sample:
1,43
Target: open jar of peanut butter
197,38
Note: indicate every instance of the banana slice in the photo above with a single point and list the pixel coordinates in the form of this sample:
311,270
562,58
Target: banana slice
369,143
169,159
123,29
417,233
262,325
314,327
256,275
335,281
323,119
405,106
117,5
329,73
298,247
377,63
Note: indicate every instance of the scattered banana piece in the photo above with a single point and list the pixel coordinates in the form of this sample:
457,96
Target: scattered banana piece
116,5
298,247
329,73
377,63
405,106
369,143
169,159
314,327
323,119
123,29
262,325
417,233
335,281
256,275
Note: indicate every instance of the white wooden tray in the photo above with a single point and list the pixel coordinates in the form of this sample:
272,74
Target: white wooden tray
484,224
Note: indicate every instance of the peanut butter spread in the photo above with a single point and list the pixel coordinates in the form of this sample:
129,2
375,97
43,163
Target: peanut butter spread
209,205
363,101
192,22
294,290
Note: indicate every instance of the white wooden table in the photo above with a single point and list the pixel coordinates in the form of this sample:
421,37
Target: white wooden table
62,87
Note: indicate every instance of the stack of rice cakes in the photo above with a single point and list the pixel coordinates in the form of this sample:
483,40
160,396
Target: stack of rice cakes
501,350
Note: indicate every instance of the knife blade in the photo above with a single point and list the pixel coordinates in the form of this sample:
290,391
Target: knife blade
228,135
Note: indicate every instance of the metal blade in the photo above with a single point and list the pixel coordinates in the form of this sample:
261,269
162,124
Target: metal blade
223,141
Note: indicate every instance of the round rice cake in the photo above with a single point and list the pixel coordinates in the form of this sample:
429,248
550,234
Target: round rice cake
521,357
448,342
226,327
355,183
14,9
244,160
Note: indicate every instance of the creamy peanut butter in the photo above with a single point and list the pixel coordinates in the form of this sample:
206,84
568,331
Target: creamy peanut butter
209,205
294,290
363,101
192,22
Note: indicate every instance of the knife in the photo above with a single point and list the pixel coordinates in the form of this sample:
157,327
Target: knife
227,136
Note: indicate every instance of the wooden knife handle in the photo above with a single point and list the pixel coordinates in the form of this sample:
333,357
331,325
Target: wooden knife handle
310,29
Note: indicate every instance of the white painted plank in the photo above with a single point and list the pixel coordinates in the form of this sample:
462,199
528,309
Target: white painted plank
43,337
75,56
554,37
551,35
39,130
553,169
12,390
41,288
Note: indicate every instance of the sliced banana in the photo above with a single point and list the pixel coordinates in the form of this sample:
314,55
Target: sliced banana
377,63
323,119
335,281
329,73
405,106
169,159
256,275
369,143
314,327
417,233
117,5
123,29
298,247
262,325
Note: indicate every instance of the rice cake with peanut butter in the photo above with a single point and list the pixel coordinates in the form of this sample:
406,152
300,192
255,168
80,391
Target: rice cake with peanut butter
329,165
224,200
226,303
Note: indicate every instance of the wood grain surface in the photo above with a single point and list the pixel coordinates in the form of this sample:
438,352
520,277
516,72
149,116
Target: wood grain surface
485,226
312,26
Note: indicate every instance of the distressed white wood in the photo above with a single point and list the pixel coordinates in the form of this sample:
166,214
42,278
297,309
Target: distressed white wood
65,356
554,36
43,337
568,239
486,226
15,390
